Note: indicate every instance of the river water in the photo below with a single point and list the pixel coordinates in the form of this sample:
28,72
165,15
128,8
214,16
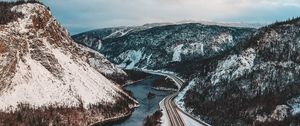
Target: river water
147,106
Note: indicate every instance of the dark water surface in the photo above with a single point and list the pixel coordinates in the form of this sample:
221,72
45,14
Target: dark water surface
147,106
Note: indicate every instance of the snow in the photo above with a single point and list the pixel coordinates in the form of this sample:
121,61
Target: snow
280,113
118,33
164,119
177,53
234,66
295,105
131,55
215,48
36,85
99,45
199,45
184,49
23,23
162,73
179,99
148,59
90,84
99,60
188,121
261,118
224,38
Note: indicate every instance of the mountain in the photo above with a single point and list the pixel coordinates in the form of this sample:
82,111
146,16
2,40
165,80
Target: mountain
46,75
227,24
255,83
236,76
157,46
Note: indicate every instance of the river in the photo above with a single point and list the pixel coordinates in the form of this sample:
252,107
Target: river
147,106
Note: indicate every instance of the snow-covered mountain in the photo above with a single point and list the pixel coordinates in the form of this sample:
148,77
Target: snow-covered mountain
227,24
42,66
236,76
157,46
255,83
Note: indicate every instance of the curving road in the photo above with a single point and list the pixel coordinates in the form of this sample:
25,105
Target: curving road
171,109
170,106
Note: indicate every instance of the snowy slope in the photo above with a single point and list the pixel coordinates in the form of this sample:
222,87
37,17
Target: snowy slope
255,83
157,46
41,65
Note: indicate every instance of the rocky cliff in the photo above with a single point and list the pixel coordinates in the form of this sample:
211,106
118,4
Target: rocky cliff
44,73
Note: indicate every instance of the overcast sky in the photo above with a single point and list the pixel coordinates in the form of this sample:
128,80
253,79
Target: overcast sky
82,15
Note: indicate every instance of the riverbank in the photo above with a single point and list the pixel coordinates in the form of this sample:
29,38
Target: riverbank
148,106
113,120
139,86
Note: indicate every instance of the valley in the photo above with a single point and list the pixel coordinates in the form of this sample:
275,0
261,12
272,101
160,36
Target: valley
187,73
227,86
147,105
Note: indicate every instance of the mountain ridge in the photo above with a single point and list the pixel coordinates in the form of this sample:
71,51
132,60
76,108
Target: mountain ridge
177,41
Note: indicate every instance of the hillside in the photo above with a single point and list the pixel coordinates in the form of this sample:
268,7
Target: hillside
44,73
255,83
236,76
157,46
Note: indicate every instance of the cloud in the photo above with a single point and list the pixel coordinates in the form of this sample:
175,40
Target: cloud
80,15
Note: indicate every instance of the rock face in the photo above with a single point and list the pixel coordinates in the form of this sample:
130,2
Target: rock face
41,65
156,46
256,83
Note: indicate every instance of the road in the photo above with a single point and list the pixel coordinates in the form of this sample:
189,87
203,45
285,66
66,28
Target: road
170,106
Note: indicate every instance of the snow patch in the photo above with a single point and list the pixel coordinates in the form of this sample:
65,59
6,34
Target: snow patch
295,105
188,121
118,33
179,99
148,59
185,49
99,45
36,85
165,118
261,118
280,113
177,53
224,38
234,66
131,56
26,10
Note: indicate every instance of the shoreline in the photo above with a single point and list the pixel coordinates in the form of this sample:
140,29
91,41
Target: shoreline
163,89
114,120
132,82
120,119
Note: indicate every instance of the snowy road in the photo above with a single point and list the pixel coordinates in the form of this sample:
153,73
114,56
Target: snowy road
175,115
